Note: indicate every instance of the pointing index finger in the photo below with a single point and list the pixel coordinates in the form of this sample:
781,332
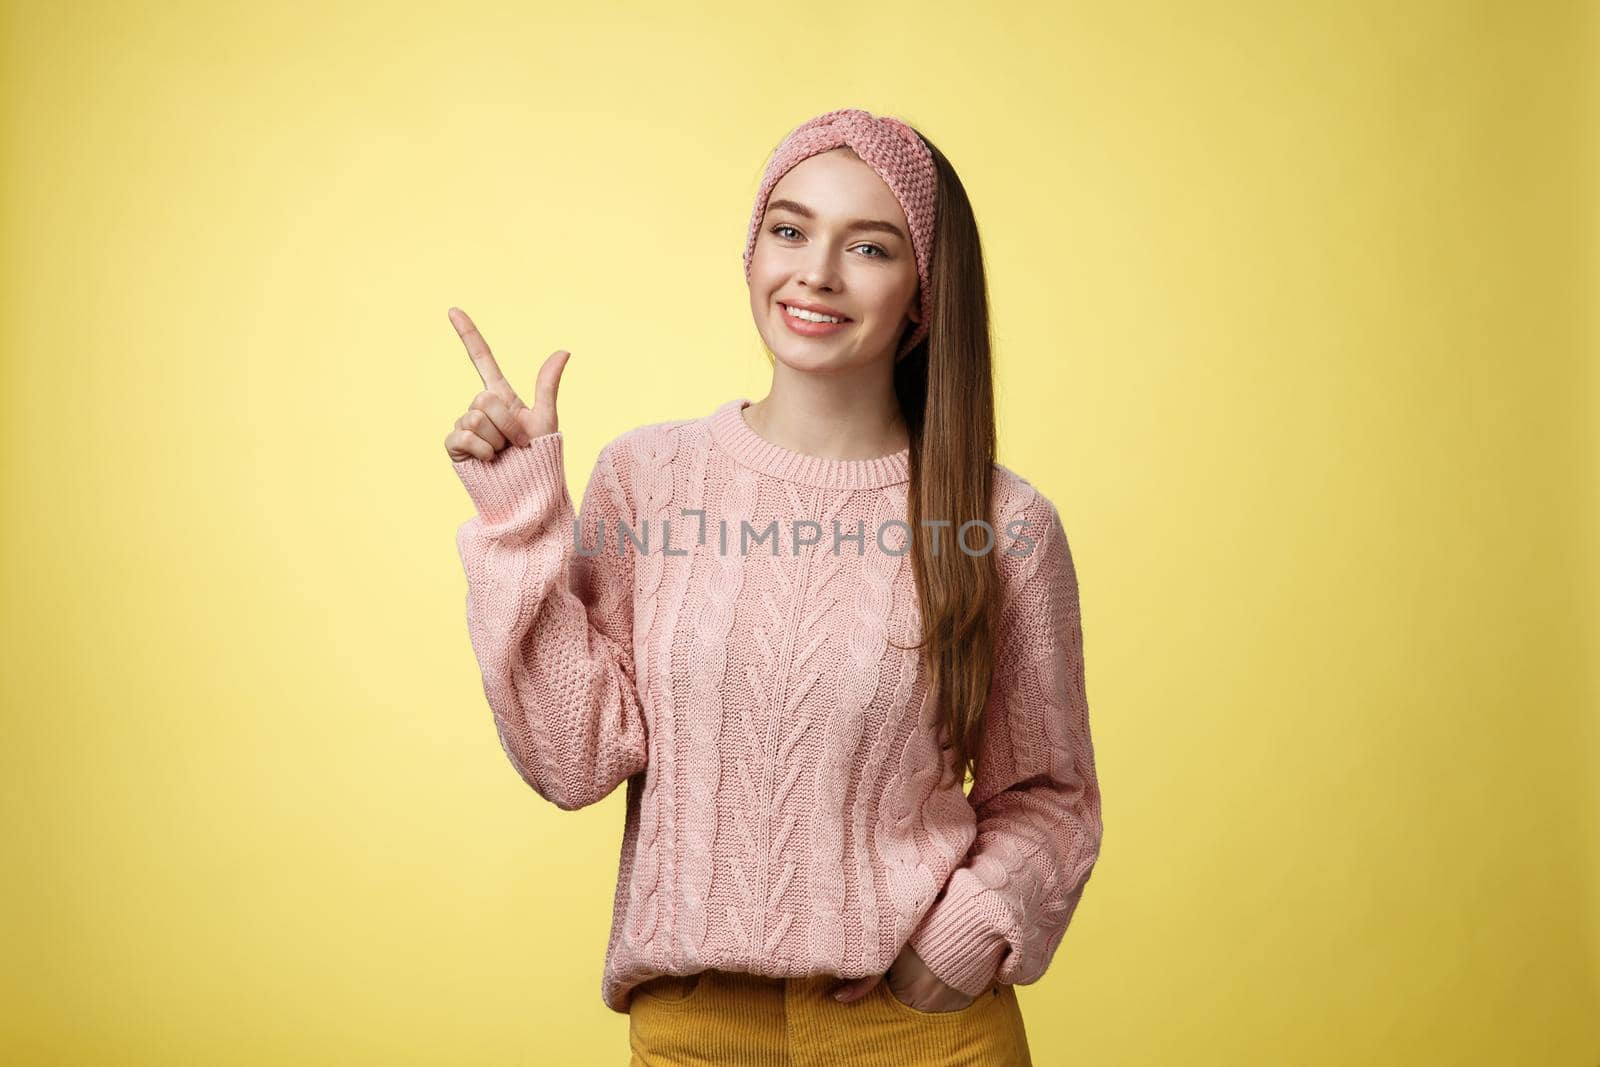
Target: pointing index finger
478,350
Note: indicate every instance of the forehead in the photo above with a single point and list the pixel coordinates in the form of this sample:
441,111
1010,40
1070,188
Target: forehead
838,182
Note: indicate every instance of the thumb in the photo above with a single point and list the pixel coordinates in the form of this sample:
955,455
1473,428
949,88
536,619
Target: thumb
533,424
539,418
849,992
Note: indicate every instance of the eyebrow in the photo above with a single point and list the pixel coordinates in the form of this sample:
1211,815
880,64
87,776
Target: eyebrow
854,224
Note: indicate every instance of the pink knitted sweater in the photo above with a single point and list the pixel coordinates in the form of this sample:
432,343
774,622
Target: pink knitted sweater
786,812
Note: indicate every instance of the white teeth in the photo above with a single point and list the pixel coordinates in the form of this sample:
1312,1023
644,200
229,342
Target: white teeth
809,316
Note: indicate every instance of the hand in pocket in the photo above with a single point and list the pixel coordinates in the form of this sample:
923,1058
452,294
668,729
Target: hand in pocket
911,983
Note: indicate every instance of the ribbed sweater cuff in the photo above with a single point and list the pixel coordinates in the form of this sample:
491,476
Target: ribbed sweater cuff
517,471
959,938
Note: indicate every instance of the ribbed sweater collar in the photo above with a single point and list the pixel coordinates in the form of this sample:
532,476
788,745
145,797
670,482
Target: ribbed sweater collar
729,430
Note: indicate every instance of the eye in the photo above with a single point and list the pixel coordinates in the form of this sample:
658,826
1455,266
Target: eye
881,253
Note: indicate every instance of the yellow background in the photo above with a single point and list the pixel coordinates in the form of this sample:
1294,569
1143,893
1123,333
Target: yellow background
1296,321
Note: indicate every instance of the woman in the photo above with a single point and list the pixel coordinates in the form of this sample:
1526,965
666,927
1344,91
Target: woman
792,685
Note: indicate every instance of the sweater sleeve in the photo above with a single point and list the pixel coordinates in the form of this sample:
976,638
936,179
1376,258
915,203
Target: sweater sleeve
552,627
1004,910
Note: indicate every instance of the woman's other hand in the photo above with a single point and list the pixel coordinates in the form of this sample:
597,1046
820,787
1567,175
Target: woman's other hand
497,416
911,983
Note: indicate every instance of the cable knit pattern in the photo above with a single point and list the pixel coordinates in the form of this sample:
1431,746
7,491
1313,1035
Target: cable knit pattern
846,732
789,811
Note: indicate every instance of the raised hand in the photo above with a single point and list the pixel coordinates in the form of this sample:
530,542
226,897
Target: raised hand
497,416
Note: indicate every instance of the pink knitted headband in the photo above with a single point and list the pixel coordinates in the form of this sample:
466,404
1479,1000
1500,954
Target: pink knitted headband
889,147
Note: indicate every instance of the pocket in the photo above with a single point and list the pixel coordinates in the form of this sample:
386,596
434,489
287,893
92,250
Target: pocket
984,999
670,990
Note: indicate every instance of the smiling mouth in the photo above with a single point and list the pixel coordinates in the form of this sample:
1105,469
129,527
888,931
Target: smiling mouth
802,315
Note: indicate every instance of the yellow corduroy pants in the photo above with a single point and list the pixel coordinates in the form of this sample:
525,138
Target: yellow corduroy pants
730,1019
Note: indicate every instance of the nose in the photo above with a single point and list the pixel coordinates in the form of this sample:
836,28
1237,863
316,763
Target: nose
819,271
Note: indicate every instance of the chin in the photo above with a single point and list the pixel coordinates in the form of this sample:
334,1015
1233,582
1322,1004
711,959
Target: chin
812,356
810,361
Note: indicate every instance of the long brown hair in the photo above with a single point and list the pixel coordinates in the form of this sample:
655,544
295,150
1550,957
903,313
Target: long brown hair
946,390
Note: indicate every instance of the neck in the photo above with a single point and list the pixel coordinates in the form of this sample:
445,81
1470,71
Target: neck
830,419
